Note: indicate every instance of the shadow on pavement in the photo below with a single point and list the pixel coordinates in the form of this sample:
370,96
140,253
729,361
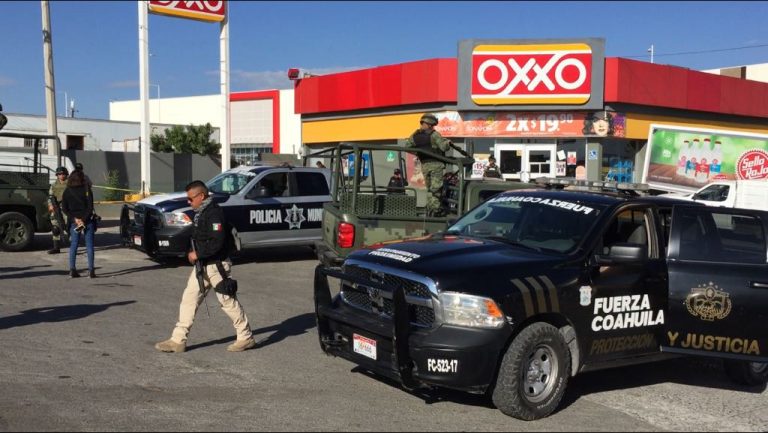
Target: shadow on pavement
33,274
699,372
61,313
6,269
292,327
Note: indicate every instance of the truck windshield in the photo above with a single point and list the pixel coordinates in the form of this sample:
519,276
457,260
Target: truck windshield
538,223
230,182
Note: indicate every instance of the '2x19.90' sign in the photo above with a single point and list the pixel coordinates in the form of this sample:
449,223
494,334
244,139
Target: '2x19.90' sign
211,11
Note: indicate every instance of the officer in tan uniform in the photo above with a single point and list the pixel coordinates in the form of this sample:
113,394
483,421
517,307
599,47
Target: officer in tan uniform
55,193
211,252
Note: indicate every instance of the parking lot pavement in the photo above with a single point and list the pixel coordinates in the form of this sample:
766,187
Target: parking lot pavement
77,355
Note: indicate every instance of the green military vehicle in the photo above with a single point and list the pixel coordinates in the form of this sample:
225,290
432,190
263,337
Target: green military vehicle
24,196
364,211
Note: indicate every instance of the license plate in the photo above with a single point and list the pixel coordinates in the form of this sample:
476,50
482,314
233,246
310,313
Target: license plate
137,240
364,346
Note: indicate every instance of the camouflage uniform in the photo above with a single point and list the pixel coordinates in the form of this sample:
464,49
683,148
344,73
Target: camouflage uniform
56,190
432,169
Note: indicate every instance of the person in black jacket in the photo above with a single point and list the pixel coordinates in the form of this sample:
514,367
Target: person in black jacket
77,205
211,241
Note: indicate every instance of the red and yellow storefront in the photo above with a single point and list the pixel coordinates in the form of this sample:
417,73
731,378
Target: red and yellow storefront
538,133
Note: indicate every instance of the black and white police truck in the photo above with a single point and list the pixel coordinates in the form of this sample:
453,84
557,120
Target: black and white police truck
265,206
535,286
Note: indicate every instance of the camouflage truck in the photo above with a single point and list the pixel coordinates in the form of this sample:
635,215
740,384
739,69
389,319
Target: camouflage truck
363,213
24,197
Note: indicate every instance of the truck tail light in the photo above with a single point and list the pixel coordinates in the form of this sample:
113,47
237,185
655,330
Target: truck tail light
346,235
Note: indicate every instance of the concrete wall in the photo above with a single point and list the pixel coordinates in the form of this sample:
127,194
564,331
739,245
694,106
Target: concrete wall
169,172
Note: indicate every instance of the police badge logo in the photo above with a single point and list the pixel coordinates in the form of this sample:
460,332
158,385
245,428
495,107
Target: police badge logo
709,303
586,296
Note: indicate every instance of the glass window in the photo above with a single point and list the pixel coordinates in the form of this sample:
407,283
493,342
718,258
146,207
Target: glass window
532,222
714,193
722,237
629,227
539,161
311,184
230,183
276,184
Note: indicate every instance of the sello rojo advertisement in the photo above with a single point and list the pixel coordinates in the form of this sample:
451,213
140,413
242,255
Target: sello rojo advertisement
685,159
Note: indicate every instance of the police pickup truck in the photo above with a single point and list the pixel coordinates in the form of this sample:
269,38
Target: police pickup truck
265,206
535,286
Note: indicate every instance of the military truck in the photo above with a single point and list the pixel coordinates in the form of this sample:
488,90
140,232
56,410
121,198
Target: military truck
363,212
24,197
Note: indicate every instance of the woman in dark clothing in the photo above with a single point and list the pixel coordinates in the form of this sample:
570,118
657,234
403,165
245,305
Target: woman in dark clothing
77,205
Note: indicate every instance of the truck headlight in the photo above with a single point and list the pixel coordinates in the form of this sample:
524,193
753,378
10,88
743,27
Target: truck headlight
177,219
470,311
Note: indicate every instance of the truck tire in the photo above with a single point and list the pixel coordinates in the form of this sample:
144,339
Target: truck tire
747,373
533,374
16,231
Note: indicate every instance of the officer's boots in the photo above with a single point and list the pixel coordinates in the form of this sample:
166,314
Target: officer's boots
55,249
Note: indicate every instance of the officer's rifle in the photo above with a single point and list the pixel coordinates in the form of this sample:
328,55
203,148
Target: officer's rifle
200,274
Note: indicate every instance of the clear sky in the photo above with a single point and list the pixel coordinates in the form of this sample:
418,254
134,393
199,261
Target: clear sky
95,44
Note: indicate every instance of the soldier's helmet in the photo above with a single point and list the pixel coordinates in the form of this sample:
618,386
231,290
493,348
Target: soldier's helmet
62,170
429,119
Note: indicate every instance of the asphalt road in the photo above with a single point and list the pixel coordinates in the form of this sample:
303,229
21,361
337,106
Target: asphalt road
77,355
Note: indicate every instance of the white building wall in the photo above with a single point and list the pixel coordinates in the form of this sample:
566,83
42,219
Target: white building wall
251,121
758,72
196,110
290,124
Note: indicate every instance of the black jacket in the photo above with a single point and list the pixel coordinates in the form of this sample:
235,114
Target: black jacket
77,202
211,234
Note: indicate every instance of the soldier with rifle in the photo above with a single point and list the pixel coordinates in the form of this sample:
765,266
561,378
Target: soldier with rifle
55,194
210,255
427,138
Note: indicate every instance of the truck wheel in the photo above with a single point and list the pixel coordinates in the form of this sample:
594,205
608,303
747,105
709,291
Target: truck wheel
533,374
16,231
747,373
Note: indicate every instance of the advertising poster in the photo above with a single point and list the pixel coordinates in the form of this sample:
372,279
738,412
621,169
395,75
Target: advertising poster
531,124
683,159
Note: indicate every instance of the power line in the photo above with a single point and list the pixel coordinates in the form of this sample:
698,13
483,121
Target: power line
682,53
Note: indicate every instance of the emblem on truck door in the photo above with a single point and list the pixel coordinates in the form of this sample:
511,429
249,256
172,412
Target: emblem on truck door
709,303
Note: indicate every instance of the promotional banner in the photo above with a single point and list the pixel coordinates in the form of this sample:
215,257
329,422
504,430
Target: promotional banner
687,159
531,124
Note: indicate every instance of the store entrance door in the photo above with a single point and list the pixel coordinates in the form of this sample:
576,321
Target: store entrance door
537,160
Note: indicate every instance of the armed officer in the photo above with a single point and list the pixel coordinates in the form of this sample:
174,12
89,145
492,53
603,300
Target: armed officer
211,247
55,194
427,138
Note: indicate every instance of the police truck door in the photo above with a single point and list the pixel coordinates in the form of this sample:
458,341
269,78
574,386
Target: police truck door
718,283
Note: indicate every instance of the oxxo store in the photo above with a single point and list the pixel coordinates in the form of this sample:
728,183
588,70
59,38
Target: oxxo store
541,107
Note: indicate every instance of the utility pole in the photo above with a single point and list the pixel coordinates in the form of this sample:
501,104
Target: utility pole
144,143
650,50
226,149
50,86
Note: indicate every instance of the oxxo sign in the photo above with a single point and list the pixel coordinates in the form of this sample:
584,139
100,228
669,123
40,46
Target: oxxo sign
555,73
210,11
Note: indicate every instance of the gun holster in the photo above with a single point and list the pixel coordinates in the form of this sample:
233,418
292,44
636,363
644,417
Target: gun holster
227,286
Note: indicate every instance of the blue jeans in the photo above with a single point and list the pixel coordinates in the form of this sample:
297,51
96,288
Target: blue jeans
74,237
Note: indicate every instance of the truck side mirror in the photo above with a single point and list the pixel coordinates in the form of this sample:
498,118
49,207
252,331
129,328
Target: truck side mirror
624,253
260,191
